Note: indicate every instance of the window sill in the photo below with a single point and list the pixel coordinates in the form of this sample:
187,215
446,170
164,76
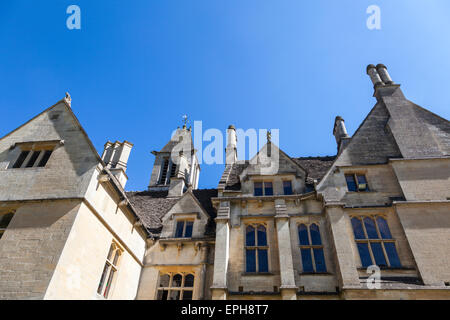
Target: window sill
257,274
315,273
388,268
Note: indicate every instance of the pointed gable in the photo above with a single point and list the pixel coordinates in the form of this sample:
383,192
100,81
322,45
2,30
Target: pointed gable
69,168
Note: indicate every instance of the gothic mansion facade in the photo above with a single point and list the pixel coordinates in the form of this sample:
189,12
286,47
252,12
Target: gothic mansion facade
311,229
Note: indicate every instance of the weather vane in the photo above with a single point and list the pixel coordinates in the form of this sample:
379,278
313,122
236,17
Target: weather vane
185,120
269,135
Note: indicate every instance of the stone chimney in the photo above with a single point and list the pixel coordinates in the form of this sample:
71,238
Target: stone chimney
340,133
231,150
115,155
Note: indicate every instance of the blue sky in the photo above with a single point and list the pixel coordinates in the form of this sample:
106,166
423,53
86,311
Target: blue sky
136,67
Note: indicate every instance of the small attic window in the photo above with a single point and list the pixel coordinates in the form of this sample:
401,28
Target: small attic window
356,182
33,156
184,229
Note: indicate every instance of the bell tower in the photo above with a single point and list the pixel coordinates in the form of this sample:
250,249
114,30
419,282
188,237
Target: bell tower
176,165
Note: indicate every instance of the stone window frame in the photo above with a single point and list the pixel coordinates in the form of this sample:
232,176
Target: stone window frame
2,214
311,246
110,270
355,179
292,186
183,219
171,288
263,182
256,247
40,152
380,239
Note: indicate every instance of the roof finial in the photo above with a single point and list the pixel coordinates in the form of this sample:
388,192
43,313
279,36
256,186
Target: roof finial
185,120
68,99
269,135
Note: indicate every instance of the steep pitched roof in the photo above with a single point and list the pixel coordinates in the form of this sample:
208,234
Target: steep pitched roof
151,206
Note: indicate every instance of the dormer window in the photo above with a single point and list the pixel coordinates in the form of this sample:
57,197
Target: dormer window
184,229
356,182
287,187
33,156
263,188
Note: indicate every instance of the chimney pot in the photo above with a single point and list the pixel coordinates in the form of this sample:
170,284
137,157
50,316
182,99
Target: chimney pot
374,76
382,71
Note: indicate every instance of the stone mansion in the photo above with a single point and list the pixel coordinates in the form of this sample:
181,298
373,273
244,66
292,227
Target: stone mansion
312,229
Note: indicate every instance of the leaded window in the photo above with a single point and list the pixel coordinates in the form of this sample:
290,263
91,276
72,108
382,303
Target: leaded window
109,271
184,229
176,286
374,241
311,248
256,249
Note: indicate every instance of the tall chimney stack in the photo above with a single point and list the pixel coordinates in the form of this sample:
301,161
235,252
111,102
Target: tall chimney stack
231,150
340,133
385,77
115,155
374,75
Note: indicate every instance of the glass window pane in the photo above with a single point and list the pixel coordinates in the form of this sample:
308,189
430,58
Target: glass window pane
315,234
102,279
364,254
362,183
378,254
303,235
179,230
174,295
307,260
23,155
263,262
33,158
258,189
250,236
250,260
351,183
176,281
162,294
116,257
187,295
392,254
287,186
358,229
262,239
189,281
5,220
189,226
384,228
370,228
109,283
268,189
320,260
45,158
164,281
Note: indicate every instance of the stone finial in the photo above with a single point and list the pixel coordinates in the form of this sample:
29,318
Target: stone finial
269,135
68,99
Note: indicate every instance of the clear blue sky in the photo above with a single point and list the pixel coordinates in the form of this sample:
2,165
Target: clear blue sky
136,67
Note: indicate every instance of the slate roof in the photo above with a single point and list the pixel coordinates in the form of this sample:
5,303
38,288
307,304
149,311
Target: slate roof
316,167
151,206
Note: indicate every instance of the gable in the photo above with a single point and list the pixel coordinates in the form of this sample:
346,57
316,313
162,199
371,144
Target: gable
67,172
271,160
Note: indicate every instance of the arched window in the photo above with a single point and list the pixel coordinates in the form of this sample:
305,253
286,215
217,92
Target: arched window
311,248
256,249
109,271
177,286
374,241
